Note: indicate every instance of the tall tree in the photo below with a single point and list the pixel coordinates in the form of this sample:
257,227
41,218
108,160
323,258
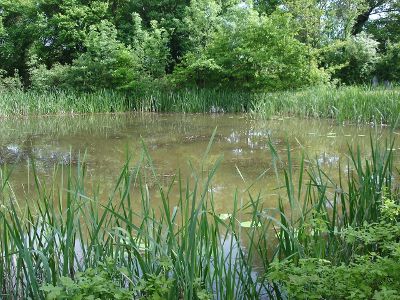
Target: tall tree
378,8
267,6
202,17
64,25
250,51
169,15
386,28
17,34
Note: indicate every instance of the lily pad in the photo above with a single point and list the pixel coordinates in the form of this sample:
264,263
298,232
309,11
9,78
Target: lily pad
249,224
224,217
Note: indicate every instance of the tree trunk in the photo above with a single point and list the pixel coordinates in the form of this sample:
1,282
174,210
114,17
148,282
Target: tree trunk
364,16
361,20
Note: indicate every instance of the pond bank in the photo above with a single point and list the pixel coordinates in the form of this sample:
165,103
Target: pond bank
354,103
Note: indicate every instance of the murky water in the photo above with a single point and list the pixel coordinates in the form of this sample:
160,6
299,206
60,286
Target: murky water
173,141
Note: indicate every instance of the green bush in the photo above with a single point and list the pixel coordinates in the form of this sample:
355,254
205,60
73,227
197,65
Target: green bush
389,65
372,273
104,282
108,63
254,52
353,60
10,83
93,284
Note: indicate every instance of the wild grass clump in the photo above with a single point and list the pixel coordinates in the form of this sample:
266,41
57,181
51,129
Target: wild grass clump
24,103
65,242
372,272
195,101
352,103
339,239
20,103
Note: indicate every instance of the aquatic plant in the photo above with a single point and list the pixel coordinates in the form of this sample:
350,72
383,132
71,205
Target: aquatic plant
354,103
20,103
62,236
349,103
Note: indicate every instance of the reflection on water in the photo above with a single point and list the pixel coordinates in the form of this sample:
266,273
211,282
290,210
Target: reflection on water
173,140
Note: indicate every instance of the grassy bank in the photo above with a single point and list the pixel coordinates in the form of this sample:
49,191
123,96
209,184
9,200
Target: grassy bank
355,104
62,102
63,242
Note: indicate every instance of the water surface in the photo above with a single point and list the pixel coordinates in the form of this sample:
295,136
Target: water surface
175,142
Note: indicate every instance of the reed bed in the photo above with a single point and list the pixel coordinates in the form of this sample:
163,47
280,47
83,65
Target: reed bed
20,103
359,104
24,103
184,249
353,103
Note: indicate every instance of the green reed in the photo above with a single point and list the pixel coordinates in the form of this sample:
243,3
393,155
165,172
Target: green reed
61,228
57,102
20,103
353,103
320,207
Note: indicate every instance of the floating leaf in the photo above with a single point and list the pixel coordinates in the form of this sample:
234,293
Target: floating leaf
224,217
249,224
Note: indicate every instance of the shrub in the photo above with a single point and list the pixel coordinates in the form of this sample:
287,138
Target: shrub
389,66
251,52
373,272
8,83
353,60
95,283
108,63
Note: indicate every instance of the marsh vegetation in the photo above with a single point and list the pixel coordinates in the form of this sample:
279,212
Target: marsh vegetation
115,185
62,241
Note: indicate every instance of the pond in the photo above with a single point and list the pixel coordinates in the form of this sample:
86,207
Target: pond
176,142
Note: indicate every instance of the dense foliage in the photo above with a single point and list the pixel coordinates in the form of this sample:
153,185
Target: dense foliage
246,45
373,270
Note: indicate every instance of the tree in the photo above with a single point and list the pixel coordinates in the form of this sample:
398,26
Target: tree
168,14
202,18
389,66
386,28
267,6
151,46
17,34
64,26
380,8
353,60
106,63
252,52
248,44
322,21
